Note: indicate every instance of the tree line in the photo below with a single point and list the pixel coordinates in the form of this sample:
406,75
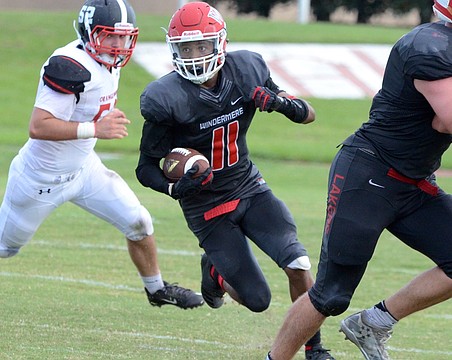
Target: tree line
323,9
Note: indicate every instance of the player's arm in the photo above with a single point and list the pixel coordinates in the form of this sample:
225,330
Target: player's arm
438,94
149,173
310,117
156,142
269,98
64,80
45,126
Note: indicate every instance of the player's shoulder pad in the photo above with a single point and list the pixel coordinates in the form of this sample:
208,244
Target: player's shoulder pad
65,75
246,58
249,69
426,52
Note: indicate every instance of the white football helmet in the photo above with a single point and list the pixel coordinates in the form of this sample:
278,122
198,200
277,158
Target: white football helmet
197,21
443,9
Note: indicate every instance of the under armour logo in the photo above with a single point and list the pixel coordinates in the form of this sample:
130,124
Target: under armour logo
44,191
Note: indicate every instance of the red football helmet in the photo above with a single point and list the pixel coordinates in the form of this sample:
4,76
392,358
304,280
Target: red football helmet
197,21
443,10
100,19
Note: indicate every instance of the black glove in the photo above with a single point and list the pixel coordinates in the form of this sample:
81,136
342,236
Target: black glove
187,185
265,99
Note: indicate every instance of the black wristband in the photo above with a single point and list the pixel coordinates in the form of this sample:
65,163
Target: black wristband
296,110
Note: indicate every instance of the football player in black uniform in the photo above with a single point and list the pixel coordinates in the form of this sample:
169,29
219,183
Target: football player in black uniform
208,104
383,178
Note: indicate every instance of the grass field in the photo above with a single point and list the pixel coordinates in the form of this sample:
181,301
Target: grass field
73,293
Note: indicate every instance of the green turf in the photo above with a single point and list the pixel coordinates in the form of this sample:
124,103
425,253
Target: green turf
73,293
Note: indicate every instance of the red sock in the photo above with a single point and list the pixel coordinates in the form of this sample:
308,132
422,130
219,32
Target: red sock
217,277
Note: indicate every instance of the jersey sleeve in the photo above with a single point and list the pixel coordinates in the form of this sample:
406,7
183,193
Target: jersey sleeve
149,173
251,70
272,86
61,106
427,53
156,137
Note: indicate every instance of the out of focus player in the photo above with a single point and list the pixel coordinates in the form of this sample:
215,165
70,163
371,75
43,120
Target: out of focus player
75,106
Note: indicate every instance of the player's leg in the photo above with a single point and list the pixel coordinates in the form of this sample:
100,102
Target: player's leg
427,230
106,195
427,289
301,322
234,265
352,228
213,286
26,204
269,223
144,255
114,202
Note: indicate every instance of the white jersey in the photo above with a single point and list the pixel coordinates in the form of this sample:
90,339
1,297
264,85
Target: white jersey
98,98
46,174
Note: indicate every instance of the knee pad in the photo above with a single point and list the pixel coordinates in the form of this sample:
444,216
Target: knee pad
255,296
142,227
258,303
336,305
300,263
332,306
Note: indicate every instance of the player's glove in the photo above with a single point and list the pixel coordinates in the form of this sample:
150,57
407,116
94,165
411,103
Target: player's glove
265,99
187,185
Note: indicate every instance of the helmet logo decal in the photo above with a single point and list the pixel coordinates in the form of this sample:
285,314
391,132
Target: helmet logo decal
192,34
86,15
214,14
443,10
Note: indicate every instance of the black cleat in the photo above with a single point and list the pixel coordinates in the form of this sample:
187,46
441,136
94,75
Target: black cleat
210,289
317,352
172,294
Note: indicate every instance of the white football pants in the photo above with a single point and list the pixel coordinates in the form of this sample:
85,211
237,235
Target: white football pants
31,196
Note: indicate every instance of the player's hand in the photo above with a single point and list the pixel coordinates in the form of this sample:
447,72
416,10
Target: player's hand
187,185
265,99
112,125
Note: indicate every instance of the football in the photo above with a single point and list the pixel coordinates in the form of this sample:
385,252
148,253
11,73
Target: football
180,160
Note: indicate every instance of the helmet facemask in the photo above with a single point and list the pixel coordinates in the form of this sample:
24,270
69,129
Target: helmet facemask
109,55
197,23
198,70
107,31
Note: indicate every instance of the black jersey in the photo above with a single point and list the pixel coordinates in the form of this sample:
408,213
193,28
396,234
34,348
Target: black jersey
400,123
214,121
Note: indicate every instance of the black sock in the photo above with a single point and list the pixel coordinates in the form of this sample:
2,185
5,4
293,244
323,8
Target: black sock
313,341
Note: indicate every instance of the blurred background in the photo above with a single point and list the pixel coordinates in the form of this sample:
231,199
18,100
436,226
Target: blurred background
375,12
